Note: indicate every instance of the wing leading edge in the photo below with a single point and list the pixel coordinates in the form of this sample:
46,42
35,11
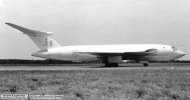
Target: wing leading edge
134,54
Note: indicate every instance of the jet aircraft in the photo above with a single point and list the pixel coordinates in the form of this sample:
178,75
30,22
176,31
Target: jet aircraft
111,55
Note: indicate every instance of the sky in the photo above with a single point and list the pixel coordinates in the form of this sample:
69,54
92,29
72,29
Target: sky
81,22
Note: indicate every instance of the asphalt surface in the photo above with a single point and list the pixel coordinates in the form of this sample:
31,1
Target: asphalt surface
93,67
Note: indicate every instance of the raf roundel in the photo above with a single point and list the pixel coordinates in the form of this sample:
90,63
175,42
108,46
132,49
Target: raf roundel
75,53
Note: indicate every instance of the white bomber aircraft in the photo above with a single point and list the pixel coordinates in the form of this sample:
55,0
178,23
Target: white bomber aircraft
111,55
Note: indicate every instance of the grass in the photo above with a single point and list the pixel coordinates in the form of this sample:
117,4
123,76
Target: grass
137,84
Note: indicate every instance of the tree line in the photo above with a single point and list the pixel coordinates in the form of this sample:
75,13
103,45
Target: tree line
49,61
26,61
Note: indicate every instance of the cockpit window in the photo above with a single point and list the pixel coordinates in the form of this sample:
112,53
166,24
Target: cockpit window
173,48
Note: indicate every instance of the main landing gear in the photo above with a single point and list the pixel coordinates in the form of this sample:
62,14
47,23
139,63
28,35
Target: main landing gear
111,65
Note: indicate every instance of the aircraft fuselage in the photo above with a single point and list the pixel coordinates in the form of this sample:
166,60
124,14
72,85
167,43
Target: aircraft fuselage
86,52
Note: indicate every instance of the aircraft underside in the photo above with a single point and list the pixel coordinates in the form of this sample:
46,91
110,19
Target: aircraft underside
113,61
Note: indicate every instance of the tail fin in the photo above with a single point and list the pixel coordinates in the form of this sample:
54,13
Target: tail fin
41,39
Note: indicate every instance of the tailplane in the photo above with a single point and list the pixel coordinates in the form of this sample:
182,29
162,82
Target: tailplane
41,39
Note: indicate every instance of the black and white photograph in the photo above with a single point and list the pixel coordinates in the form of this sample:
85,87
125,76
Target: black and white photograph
94,50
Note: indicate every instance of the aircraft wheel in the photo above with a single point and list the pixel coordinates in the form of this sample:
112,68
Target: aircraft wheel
145,64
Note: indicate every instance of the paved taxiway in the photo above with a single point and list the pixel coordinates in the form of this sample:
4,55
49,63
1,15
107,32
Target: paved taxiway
53,68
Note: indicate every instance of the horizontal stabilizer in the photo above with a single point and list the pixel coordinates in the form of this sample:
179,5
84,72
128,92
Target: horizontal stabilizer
28,31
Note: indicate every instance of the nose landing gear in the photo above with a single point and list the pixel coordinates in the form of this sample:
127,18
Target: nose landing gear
145,64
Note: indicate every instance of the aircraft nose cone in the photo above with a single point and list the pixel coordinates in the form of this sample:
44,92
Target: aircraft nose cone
181,53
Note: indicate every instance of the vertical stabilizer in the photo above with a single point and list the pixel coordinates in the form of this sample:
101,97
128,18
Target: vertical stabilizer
41,39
